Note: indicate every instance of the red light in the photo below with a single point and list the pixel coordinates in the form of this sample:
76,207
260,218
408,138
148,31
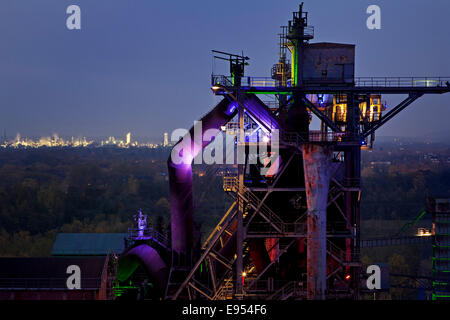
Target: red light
347,277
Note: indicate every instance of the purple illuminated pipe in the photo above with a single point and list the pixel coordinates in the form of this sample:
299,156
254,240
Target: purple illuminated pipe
150,260
180,177
259,112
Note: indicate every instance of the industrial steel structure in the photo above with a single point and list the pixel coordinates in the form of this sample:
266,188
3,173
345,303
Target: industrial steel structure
440,210
293,232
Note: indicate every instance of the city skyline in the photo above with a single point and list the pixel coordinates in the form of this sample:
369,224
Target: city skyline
56,140
107,77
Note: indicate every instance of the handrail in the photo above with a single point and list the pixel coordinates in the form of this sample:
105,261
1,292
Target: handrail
225,290
219,226
46,283
268,82
285,290
206,252
401,81
133,233
335,251
231,184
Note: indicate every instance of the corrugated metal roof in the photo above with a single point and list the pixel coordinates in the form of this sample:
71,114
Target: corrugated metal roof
81,244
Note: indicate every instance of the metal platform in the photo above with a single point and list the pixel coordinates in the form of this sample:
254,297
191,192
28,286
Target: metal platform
221,85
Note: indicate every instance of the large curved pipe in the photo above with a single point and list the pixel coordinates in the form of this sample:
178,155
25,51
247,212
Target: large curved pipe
260,113
180,175
150,259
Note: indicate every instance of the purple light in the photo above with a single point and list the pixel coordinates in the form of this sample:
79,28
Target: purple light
231,109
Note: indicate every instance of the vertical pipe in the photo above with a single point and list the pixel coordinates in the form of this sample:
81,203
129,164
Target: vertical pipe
356,174
240,213
298,117
317,168
348,204
352,200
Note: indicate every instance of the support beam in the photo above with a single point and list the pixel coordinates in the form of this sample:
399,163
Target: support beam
191,284
279,254
205,254
269,190
321,116
388,116
240,212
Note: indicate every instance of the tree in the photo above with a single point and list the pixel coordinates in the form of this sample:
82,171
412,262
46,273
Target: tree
162,207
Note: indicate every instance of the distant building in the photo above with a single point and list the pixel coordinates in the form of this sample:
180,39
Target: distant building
47,278
166,139
128,139
440,211
380,163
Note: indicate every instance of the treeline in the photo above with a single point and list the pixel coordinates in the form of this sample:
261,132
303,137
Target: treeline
392,197
400,191
43,189
46,191
25,244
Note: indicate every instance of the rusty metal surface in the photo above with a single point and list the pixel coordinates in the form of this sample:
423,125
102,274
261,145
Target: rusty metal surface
317,167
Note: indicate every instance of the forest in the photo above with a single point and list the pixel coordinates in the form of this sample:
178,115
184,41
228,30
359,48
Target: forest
47,191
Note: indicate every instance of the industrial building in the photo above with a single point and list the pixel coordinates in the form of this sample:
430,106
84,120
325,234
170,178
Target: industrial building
292,232
45,278
440,210
293,229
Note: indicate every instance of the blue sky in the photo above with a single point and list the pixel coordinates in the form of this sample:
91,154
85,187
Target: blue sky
144,66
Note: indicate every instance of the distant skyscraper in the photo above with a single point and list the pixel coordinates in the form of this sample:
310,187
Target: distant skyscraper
128,138
166,139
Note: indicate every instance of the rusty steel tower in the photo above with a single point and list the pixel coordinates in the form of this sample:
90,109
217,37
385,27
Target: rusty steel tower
292,232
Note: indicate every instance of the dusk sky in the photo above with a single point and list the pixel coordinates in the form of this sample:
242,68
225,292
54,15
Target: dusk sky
144,65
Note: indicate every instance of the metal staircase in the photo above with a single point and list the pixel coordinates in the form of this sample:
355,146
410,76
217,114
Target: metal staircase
335,252
226,290
273,223
214,242
231,185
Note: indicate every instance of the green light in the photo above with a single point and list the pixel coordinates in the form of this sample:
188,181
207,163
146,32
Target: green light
441,296
269,92
294,66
